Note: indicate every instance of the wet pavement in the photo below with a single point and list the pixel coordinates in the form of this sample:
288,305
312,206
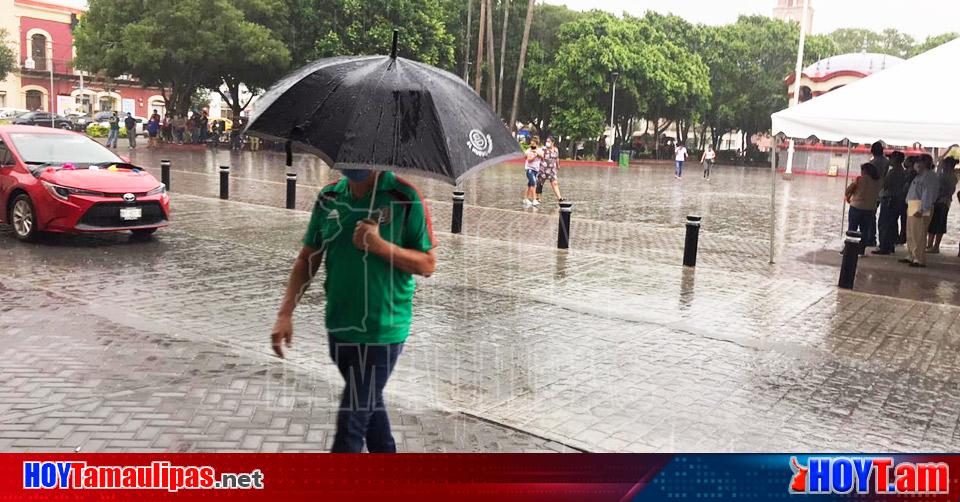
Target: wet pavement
114,344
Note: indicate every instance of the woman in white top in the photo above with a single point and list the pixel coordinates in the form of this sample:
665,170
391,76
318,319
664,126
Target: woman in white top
708,158
681,152
532,167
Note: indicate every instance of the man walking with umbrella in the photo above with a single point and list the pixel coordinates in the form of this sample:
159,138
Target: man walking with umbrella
369,117
369,285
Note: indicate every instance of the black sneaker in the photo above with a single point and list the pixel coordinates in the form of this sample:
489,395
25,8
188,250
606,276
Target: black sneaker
880,252
905,260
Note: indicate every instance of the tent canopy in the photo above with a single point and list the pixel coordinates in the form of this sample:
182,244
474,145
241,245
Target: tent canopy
915,102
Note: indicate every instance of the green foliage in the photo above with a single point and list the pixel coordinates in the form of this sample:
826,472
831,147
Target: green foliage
889,41
8,60
172,44
934,42
655,74
95,130
323,28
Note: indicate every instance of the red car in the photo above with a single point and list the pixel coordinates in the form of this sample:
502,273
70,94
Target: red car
60,181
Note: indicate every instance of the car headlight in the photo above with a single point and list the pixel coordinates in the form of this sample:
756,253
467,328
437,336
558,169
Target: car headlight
64,193
159,190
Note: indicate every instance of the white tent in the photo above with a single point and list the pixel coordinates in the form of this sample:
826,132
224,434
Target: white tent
917,101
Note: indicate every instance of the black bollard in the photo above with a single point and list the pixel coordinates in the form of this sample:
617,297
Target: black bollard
563,230
692,241
291,190
851,255
165,173
456,225
224,182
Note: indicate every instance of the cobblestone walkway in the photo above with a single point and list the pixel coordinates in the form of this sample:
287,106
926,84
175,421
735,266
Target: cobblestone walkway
112,344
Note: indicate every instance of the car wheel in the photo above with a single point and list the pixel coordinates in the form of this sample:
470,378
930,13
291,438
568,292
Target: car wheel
65,126
143,233
24,218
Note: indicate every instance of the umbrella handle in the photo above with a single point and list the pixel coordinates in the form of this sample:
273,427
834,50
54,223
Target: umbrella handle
373,194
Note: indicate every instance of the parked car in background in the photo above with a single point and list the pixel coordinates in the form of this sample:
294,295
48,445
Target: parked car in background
60,181
9,113
80,122
43,119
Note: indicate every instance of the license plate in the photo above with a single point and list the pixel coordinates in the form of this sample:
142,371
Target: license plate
131,213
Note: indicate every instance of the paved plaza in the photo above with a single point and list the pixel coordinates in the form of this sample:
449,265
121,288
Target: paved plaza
112,344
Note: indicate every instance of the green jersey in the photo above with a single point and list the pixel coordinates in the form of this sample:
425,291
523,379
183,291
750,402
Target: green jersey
368,300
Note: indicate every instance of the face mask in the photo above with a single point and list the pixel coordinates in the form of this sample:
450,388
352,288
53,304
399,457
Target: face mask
355,175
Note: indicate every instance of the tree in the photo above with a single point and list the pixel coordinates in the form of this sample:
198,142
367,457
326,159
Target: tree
889,41
503,53
523,60
933,42
253,54
147,40
657,78
8,60
491,60
325,28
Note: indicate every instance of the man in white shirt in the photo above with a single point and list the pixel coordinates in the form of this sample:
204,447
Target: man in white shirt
681,152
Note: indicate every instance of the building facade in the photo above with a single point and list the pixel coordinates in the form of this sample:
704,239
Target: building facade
41,34
837,71
792,10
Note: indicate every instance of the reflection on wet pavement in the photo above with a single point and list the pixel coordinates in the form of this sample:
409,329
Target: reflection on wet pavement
611,346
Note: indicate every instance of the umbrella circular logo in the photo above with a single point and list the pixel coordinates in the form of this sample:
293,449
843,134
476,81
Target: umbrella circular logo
480,144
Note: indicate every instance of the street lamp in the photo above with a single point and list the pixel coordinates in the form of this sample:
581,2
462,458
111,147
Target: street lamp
613,98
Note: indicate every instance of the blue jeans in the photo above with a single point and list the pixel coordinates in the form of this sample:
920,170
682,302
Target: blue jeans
363,416
112,137
679,171
865,222
531,178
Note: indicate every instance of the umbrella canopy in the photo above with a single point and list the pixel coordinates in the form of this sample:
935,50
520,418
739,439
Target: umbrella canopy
385,113
915,101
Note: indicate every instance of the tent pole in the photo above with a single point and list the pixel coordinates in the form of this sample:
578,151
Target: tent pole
846,179
773,194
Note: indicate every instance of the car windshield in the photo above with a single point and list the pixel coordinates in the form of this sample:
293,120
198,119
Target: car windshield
60,149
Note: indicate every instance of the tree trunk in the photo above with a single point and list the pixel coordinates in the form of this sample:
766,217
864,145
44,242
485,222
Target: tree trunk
491,64
478,78
523,60
466,52
503,53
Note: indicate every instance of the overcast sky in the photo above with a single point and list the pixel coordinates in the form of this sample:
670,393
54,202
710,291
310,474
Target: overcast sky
919,18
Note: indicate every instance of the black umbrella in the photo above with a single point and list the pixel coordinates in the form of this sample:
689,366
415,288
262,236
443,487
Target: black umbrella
385,113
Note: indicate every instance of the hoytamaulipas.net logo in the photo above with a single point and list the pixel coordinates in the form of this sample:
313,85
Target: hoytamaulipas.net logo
159,475
868,475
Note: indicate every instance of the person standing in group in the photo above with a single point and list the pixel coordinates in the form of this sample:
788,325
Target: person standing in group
190,128
130,124
708,158
166,128
114,134
369,286
153,130
909,167
549,168
862,196
681,157
947,176
892,195
532,168
879,160
202,129
236,138
923,194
